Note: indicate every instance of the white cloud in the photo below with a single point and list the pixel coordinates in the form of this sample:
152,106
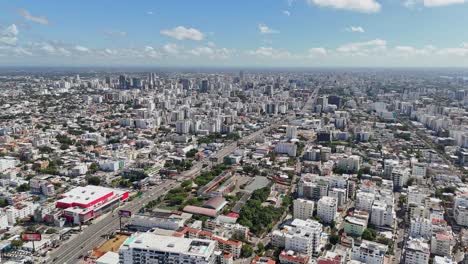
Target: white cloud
171,48
313,52
150,13
151,52
357,29
286,13
9,35
461,51
36,19
290,2
81,48
364,6
363,48
183,33
110,51
431,3
269,52
437,3
211,52
264,29
412,51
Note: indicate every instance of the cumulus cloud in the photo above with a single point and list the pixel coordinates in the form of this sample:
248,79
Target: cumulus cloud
36,19
150,13
81,48
211,52
357,29
461,51
9,35
363,48
313,52
183,33
364,6
269,52
171,48
286,13
151,52
408,51
431,3
437,3
264,29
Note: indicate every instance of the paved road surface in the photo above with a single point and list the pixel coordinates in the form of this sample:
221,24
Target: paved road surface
73,250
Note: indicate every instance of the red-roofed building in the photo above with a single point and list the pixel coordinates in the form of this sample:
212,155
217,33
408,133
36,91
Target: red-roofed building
289,257
262,260
200,210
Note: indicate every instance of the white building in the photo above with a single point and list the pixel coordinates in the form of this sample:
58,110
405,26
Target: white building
326,209
417,252
382,214
152,248
19,211
369,252
302,236
419,170
303,209
340,194
364,201
460,209
420,227
443,260
291,132
351,163
286,148
442,244
183,126
3,221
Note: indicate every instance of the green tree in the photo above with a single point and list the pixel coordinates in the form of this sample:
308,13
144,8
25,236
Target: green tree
51,231
191,153
246,251
369,234
334,239
23,187
16,243
94,180
260,248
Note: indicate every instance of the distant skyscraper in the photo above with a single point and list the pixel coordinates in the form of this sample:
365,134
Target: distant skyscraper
204,86
185,84
122,82
241,75
108,80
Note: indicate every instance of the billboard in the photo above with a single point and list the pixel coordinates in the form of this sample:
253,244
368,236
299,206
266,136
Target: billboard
31,237
125,213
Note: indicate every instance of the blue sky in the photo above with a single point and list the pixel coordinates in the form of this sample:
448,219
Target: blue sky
299,33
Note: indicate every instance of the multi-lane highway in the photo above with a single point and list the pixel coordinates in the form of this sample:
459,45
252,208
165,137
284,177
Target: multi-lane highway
72,251
79,246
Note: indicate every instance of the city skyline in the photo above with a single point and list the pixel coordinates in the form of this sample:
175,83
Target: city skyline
294,33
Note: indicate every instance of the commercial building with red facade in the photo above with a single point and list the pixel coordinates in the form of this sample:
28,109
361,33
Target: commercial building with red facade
85,203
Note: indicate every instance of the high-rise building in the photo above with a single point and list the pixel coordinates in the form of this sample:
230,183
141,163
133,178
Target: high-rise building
204,86
123,82
303,209
417,252
326,209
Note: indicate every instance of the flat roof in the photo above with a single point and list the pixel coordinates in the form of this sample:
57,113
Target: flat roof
85,195
178,245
